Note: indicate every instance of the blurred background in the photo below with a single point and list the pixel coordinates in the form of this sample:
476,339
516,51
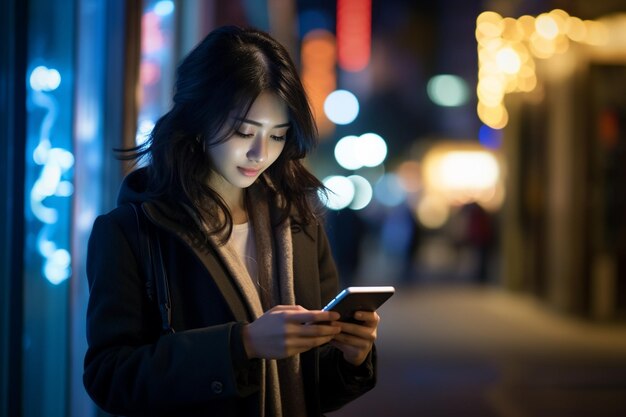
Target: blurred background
476,154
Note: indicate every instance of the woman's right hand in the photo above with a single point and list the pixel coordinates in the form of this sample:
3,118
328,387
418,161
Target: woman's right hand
286,330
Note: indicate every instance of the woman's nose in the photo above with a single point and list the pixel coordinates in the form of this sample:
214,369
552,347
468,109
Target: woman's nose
258,150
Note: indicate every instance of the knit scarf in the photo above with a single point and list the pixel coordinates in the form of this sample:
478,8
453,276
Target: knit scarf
276,286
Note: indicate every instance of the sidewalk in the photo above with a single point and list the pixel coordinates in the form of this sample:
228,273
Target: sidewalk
467,351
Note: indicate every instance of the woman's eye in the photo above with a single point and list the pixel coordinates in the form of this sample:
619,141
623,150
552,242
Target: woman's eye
244,135
279,138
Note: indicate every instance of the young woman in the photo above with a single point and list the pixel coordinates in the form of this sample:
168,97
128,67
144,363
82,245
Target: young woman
248,265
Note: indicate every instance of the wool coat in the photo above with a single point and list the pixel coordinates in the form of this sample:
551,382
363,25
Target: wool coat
131,369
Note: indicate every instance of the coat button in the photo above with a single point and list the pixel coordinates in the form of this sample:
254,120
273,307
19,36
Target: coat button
217,387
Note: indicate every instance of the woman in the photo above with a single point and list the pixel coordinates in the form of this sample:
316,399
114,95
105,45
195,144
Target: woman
248,265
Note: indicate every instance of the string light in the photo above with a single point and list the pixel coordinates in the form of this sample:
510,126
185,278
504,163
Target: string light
507,49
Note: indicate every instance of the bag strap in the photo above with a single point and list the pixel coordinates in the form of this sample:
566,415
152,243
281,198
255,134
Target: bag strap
156,277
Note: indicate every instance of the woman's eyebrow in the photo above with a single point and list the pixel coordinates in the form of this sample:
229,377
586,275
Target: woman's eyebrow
252,122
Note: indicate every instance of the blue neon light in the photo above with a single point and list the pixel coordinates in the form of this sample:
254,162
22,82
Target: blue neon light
54,178
164,7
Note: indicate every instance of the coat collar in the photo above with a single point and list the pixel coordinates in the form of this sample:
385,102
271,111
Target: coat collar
275,264
161,214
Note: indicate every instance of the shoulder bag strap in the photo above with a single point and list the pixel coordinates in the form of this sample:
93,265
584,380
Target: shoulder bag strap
156,276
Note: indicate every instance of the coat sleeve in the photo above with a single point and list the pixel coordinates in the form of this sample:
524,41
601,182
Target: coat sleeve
129,369
340,381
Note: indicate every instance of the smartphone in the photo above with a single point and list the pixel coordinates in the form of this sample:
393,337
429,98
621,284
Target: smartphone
353,299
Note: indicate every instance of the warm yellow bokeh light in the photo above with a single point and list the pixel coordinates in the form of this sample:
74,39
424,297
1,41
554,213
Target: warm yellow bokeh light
546,27
468,170
432,211
489,24
493,116
461,173
508,60
575,29
542,47
560,17
597,33
512,31
507,49
561,44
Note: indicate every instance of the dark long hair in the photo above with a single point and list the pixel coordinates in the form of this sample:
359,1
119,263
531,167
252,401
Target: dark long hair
226,72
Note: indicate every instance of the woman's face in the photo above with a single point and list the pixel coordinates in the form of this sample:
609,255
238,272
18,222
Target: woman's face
238,161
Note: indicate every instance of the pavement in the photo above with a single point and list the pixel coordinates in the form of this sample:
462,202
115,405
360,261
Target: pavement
463,350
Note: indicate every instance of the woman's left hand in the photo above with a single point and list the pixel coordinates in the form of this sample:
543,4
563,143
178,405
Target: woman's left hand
356,340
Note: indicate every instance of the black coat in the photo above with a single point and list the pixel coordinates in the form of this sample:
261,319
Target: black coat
201,370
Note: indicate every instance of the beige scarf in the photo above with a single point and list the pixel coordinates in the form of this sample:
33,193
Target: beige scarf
275,273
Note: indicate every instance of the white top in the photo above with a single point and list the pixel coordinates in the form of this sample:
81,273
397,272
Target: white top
242,240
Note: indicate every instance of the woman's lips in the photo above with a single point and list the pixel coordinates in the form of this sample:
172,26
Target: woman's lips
249,172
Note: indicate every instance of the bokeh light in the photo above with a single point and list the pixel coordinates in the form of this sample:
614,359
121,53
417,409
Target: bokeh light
462,173
354,33
508,60
489,137
346,153
354,152
164,8
44,79
448,90
409,173
507,49
373,149
340,192
318,59
388,190
341,107
363,192
432,211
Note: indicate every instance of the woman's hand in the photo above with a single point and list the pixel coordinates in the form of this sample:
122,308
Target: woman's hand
356,340
285,331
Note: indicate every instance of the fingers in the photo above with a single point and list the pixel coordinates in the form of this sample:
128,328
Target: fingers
302,337
369,324
286,330
355,341
298,314
302,344
369,318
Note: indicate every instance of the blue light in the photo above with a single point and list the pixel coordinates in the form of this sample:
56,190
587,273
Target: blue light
57,262
57,266
143,131
44,79
64,189
164,8
489,137
56,165
388,191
